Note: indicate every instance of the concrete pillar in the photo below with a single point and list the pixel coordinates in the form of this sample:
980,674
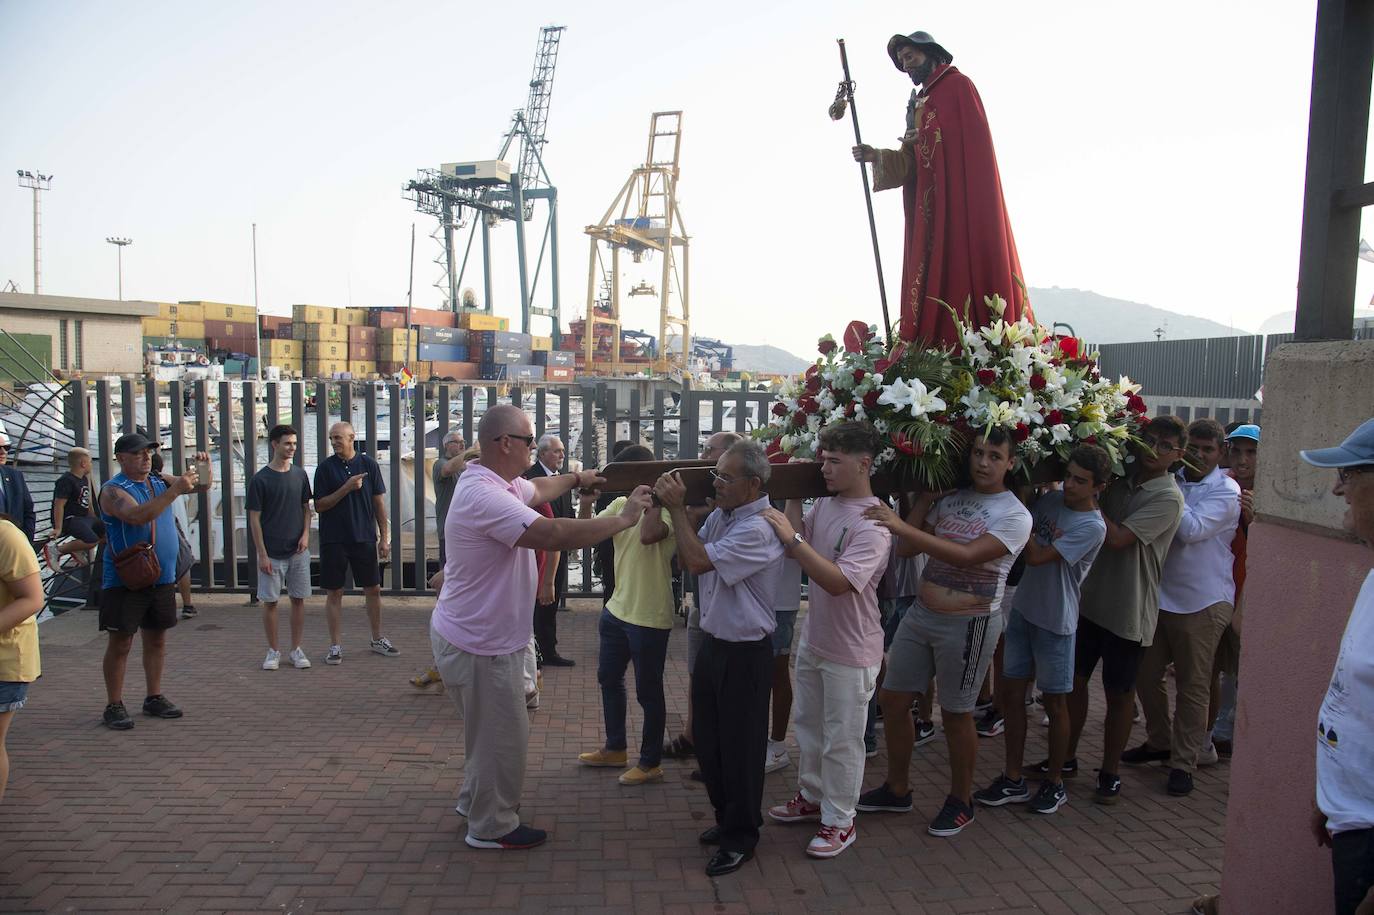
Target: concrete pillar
1302,577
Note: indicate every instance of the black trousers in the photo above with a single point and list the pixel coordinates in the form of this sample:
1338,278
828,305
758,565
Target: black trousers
730,689
1352,864
546,615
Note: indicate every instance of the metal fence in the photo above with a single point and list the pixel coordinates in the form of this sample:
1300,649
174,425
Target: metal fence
394,424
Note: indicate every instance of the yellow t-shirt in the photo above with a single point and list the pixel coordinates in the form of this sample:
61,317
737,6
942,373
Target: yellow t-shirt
643,575
18,646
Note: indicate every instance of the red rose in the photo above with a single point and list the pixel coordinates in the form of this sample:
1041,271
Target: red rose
1054,418
1069,347
986,377
1136,404
849,410
859,375
1022,432
779,409
826,346
809,405
813,384
799,419
870,400
1090,440
1037,382
942,419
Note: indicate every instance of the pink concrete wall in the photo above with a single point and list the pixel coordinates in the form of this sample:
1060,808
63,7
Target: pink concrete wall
1298,593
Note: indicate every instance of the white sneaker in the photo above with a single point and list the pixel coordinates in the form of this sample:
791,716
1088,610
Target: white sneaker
777,757
1207,756
298,658
532,700
273,659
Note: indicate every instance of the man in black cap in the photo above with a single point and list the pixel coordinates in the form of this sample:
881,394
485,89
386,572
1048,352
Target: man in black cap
959,248
136,506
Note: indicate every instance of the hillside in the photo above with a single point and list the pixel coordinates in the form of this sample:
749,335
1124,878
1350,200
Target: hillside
1101,319
767,359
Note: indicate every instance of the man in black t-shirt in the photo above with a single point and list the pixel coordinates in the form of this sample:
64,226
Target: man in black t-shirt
279,520
71,511
353,534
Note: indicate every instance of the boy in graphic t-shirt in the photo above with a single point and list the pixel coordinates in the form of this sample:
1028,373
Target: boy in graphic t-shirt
844,555
971,537
1039,639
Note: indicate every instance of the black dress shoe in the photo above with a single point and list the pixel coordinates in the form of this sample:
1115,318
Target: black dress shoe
559,661
710,836
726,862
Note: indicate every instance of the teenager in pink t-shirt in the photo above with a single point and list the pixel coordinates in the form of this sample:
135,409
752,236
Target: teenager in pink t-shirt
844,555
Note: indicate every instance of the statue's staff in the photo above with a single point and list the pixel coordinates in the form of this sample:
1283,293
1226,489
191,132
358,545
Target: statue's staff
844,97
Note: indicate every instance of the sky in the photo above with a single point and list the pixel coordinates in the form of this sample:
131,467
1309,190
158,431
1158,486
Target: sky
1150,152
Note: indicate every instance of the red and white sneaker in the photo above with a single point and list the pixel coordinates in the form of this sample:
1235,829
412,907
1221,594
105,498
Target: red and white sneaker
796,810
51,556
829,841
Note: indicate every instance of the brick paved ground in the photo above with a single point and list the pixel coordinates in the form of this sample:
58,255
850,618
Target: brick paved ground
333,789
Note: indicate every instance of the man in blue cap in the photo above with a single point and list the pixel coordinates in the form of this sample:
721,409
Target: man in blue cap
1344,815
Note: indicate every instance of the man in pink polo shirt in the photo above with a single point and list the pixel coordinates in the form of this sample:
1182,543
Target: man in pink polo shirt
481,625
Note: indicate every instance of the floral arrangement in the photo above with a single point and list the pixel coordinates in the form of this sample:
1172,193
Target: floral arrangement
1045,390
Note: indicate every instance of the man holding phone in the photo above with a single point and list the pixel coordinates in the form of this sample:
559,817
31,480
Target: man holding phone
353,534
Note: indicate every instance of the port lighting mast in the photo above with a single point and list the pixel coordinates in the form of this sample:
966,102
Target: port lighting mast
641,220
38,182
480,195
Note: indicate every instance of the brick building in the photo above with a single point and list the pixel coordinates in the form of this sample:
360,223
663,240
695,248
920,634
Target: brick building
91,336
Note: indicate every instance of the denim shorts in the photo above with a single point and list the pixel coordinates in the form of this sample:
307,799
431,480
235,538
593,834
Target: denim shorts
1030,650
782,633
12,695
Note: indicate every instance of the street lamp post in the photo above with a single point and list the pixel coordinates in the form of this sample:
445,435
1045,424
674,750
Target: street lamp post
119,244
39,183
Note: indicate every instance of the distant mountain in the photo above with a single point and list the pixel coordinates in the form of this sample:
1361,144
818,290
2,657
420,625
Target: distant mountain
1101,319
768,359
1282,323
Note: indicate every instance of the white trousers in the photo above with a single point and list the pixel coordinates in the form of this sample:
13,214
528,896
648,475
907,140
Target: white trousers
829,712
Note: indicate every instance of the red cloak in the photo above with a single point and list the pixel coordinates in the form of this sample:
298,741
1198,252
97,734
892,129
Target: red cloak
959,246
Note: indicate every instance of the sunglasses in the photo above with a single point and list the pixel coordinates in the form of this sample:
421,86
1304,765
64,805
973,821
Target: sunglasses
1345,473
527,439
4,447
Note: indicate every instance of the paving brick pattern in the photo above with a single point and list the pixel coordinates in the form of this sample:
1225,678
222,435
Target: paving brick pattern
332,789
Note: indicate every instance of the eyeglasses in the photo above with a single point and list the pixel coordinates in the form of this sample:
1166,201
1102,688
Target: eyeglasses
1345,473
527,439
1156,446
725,478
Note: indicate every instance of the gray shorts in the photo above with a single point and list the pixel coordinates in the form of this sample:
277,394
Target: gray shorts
955,651
289,575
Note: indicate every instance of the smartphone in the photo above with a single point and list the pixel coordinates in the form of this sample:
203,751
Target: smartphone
202,472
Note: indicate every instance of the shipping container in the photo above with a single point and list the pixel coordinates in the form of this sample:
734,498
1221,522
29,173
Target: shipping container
392,336
235,329
362,352
380,318
313,332
524,373
284,332
351,317
218,311
271,323
361,368
396,352
442,335
557,357
443,352
326,351
454,371
247,345
283,349
560,373
327,368
541,344
503,339
501,356
479,320
361,333
425,317
181,311
312,314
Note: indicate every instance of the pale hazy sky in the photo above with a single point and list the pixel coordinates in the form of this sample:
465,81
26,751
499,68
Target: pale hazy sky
1151,152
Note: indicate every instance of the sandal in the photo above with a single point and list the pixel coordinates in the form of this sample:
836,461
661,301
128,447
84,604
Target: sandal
679,748
425,679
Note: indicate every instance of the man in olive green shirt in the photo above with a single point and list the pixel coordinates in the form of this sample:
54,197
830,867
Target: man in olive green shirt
1120,598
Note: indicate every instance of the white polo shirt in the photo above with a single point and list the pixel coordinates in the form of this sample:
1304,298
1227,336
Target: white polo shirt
1197,572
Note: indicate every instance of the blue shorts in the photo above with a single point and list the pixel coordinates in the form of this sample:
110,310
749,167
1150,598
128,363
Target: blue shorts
782,633
1033,651
12,695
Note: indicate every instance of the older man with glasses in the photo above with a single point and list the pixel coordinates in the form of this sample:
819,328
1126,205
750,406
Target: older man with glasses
15,499
738,560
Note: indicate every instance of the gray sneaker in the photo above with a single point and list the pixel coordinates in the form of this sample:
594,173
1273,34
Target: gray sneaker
335,655
1003,791
383,646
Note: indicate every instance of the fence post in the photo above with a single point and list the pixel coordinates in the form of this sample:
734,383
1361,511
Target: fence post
540,399
564,423
417,394
80,420
634,415
207,551
150,408
102,425
588,461
322,449
250,468
657,393
128,413
298,419
742,408
687,431
226,473
394,391
467,415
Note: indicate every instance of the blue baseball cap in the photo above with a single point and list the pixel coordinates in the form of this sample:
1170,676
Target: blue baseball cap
1245,430
1357,449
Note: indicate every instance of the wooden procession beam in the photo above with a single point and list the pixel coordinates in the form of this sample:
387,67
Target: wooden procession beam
799,480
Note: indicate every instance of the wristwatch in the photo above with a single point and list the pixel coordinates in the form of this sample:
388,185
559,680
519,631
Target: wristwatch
796,540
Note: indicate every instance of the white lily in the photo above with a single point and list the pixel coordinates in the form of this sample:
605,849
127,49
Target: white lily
1028,410
995,303
1127,386
896,395
923,401
1060,433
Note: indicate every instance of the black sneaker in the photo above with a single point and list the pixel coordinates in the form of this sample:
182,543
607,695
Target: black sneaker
520,837
160,706
1143,755
188,612
1049,798
951,819
882,800
991,723
1180,782
925,732
116,717
1003,791
870,747
1108,788
1042,768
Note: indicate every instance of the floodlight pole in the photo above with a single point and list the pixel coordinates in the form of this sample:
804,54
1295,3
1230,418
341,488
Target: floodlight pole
38,182
120,244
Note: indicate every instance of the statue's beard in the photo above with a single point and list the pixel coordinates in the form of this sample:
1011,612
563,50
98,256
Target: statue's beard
921,72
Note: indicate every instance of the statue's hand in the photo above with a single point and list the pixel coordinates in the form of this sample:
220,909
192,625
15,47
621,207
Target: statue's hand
865,153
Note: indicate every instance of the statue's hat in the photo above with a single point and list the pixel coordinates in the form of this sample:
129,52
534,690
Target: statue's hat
922,40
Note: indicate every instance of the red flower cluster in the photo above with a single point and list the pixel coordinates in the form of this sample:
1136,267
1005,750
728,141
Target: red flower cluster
986,376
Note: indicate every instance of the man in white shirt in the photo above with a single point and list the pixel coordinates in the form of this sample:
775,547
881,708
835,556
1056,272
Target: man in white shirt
1344,816
1197,596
